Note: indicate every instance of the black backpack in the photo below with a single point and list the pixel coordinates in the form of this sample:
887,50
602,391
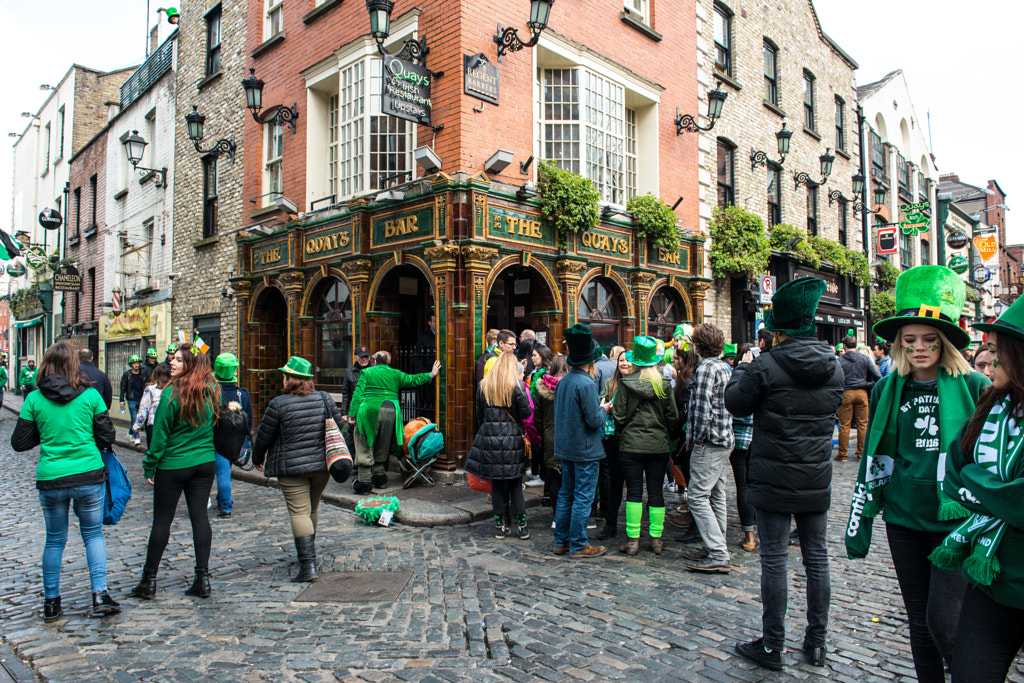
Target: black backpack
231,430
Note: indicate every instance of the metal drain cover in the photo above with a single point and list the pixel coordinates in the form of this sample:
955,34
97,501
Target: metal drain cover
356,587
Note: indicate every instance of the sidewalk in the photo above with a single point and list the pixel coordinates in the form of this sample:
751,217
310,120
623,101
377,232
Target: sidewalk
445,504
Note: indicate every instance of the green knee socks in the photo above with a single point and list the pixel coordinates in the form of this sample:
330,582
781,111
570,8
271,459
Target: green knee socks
635,513
657,516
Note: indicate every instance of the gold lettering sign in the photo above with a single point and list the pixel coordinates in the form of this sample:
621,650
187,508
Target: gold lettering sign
666,256
606,243
401,226
266,257
517,225
321,245
602,242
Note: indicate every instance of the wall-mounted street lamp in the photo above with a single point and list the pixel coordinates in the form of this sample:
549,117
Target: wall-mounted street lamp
380,28
826,160
879,197
687,122
858,189
134,147
195,122
254,102
760,158
508,39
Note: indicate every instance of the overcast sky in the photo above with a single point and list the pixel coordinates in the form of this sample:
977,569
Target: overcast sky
964,65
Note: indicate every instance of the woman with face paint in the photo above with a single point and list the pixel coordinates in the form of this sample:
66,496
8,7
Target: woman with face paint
915,414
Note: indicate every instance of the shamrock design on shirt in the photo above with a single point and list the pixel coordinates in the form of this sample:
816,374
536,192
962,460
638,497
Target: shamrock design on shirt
927,424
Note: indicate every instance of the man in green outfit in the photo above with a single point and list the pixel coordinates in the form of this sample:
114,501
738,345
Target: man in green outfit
376,415
27,378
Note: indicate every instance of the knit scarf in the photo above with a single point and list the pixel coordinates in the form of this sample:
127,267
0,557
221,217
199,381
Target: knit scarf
876,467
973,544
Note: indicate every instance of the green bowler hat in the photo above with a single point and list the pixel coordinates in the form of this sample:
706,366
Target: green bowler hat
1011,322
644,353
928,295
225,366
297,367
793,307
728,350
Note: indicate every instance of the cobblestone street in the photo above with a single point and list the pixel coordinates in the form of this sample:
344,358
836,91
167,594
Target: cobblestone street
475,608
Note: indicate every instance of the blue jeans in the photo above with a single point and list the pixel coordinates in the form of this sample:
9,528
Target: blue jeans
88,507
224,501
773,528
579,485
133,410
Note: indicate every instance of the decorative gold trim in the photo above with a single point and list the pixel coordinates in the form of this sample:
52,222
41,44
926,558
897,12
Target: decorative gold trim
476,253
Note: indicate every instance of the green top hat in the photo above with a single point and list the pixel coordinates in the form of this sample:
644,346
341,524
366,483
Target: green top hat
134,358
683,330
1011,322
297,367
582,349
224,367
928,295
151,353
171,348
644,353
793,307
728,350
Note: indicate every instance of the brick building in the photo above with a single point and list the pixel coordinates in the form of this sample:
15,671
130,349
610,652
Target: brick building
779,68
370,242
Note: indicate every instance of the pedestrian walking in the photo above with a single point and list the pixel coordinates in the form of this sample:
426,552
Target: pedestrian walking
498,451
859,375
225,371
710,437
646,417
985,474
490,351
3,387
98,378
506,342
739,460
66,418
580,417
290,445
540,361
883,361
133,384
27,377
375,412
793,391
609,478
149,365
159,379
180,459
544,418
916,412
685,363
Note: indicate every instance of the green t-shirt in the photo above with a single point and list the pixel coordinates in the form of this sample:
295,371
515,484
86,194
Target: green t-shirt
67,445
3,378
177,444
27,377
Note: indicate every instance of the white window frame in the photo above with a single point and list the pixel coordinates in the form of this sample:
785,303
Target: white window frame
274,19
46,148
273,166
641,8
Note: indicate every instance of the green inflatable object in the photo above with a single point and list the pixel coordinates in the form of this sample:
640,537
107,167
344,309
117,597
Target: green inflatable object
370,509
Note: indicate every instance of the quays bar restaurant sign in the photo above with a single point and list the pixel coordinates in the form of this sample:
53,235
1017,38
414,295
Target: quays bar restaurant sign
268,256
519,226
406,90
409,226
609,244
334,242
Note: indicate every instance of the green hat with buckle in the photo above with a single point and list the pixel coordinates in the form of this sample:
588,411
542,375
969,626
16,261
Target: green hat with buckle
1011,322
225,366
928,295
644,353
134,358
171,348
297,367
582,349
151,353
793,307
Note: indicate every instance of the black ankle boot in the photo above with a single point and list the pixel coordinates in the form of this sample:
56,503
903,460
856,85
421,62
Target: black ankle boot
52,611
362,487
201,585
103,604
147,585
380,481
609,531
305,548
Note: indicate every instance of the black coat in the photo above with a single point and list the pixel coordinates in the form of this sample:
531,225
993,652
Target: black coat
793,392
498,451
348,385
99,380
292,430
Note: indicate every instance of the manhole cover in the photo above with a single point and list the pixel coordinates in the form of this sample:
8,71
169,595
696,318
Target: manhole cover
356,587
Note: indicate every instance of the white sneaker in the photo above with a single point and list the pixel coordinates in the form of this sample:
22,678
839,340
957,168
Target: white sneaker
534,482
553,525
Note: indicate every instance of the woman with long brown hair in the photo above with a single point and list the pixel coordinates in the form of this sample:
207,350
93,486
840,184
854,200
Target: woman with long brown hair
180,460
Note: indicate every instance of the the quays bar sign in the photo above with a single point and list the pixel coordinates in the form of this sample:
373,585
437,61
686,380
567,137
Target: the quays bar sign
412,226
268,256
610,244
518,226
406,90
666,259
334,242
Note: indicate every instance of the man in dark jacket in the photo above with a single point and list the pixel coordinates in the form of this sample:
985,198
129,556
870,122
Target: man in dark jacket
348,385
793,392
860,374
133,383
99,379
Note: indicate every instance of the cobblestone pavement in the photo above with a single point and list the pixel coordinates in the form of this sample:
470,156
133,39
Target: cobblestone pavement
476,608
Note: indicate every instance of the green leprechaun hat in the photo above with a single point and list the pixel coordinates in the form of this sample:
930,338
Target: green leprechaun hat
297,367
582,349
928,295
224,368
1011,322
729,351
644,353
793,307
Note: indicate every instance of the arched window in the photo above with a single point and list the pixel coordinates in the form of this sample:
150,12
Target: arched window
333,331
599,309
665,312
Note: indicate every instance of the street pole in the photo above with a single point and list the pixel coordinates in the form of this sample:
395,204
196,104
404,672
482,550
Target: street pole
865,233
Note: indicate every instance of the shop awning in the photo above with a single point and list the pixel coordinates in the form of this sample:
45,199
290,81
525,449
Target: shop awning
30,322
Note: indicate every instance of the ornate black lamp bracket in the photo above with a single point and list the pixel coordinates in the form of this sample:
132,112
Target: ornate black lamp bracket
508,40
223,146
283,115
760,158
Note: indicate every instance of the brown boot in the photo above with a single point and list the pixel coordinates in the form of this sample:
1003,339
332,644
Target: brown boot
630,547
656,546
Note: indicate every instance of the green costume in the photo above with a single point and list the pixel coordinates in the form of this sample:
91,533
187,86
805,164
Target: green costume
3,378
377,385
68,446
27,377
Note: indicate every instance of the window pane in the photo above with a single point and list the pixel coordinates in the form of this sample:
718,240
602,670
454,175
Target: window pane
723,45
809,101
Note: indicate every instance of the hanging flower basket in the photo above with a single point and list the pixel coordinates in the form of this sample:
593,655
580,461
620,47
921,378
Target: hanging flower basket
370,509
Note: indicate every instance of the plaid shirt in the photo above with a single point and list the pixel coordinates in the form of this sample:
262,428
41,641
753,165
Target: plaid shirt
743,430
710,422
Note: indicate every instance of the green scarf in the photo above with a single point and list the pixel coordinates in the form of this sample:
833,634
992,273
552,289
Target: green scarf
973,544
876,467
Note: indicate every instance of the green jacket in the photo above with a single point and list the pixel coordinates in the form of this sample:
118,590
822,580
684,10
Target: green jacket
27,377
177,444
376,386
3,378
656,420
911,497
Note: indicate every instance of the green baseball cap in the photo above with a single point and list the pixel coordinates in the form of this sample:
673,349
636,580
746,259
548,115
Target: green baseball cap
224,368
297,367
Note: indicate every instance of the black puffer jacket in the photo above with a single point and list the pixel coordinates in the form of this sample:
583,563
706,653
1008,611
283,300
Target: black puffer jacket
498,451
292,430
348,385
793,391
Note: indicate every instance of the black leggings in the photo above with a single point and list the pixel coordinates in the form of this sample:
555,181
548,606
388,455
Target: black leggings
740,461
609,483
510,490
635,466
196,483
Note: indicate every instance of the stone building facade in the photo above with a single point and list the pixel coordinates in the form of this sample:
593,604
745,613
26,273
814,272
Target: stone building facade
209,206
778,67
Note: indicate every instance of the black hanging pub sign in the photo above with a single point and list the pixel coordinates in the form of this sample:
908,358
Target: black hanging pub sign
406,90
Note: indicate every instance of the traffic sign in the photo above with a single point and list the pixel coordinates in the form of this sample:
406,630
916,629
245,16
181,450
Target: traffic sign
887,241
767,289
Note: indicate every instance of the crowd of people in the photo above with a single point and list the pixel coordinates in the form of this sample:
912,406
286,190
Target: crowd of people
938,445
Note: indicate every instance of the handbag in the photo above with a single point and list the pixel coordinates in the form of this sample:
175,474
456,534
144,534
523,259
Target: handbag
478,483
339,460
118,488
527,446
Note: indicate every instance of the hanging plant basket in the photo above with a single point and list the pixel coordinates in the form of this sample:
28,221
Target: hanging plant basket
739,245
370,509
567,201
655,220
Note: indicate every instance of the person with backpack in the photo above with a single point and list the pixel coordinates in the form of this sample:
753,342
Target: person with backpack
225,372
158,379
291,445
67,419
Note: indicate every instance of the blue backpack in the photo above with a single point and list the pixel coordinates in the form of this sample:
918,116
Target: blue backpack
426,443
118,489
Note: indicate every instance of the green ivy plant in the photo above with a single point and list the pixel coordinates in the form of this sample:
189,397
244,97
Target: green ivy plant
816,249
882,305
739,245
972,296
655,220
887,274
789,238
567,201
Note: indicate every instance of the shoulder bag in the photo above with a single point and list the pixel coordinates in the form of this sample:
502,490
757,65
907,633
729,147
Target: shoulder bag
339,460
231,430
